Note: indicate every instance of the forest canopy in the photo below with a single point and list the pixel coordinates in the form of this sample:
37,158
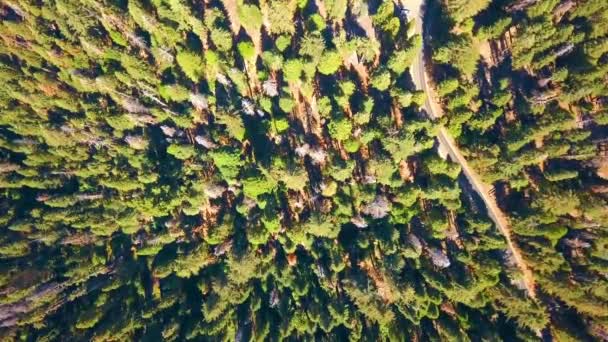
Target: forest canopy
303,170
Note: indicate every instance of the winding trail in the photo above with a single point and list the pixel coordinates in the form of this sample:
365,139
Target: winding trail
449,146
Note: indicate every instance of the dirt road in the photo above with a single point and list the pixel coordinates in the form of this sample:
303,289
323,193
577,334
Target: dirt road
447,144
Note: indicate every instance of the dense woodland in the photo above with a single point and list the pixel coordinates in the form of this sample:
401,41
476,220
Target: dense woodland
531,115
226,170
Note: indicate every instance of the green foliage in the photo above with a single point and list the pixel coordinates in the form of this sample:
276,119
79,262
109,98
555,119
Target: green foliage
246,50
174,92
272,60
292,70
181,151
336,9
294,180
386,19
464,9
312,46
402,59
251,17
330,62
118,122
234,125
280,125
381,80
448,86
257,186
340,129
283,42
437,165
280,16
401,147
158,181
459,52
323,227
494,30
286,104
228,162
222,39
560,175
192,64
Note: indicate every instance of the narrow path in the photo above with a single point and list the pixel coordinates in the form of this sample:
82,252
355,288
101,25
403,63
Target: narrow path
448,144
